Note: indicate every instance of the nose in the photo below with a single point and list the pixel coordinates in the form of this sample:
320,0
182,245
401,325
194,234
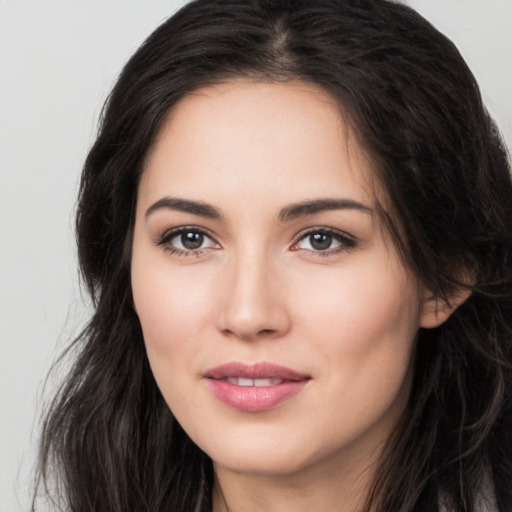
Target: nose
253,304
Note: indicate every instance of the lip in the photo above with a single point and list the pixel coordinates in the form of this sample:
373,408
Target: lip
254,398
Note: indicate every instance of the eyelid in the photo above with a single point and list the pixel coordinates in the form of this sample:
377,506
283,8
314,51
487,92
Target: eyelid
171,233
346,240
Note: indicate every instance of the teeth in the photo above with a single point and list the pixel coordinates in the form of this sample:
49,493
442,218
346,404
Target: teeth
267,382
242,381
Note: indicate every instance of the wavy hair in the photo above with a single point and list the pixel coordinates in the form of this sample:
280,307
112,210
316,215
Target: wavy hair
109,442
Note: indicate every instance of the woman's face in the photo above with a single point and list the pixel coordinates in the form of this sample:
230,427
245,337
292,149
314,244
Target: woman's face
278,319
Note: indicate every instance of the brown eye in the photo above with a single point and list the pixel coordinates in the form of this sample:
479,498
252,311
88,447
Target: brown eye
325,241
320,241
191,240
187,240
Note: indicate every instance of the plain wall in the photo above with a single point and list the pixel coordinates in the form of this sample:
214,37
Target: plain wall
58,60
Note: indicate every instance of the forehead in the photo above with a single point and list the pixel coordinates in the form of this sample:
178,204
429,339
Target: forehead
245,139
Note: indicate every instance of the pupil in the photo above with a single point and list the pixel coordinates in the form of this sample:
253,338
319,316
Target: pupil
320,241
192,240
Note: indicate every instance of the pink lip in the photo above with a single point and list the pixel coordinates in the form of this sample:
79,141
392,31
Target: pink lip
254,398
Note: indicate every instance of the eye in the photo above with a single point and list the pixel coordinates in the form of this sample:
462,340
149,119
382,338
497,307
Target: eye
324,241
186,241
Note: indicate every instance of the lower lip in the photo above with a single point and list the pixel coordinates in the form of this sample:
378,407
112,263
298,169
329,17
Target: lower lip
255,398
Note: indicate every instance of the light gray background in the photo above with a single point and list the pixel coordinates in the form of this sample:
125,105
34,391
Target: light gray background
58,60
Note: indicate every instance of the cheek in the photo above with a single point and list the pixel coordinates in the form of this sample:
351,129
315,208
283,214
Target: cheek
365,325
172,309
363,330
172,304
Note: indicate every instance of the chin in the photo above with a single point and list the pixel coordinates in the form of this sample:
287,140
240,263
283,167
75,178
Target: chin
276,464
268,455
255,453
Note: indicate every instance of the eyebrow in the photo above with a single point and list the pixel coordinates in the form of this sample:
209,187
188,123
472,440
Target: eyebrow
185,205
288,213
319,205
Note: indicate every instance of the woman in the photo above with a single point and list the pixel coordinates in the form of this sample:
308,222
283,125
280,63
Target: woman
295,227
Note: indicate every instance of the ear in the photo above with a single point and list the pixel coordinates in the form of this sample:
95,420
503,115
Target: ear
436,310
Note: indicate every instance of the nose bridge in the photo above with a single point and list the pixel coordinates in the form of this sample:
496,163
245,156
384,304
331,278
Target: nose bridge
253,303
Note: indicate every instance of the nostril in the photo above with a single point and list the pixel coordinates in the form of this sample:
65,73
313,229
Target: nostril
251,334
266,331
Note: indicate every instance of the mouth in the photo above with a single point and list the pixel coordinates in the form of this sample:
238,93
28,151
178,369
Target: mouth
254,388
242,381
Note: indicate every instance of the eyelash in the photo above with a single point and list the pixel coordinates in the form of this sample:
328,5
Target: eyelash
165,239
346,241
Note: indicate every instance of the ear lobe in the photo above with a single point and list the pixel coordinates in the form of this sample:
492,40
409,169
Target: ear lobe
435,310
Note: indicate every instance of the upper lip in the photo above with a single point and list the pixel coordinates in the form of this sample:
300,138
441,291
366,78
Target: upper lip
254,371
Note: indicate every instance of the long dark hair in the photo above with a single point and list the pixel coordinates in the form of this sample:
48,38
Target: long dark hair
110,443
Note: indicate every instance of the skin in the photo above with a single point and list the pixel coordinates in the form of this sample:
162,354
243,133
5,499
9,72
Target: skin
258,290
